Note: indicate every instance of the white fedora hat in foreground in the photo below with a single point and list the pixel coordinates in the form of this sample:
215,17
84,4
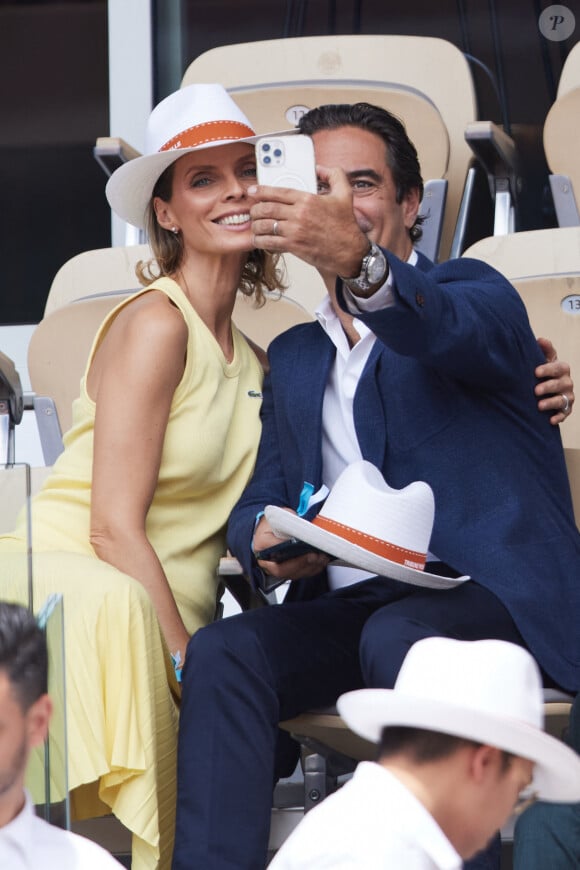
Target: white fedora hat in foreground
195,117
367,524
489,691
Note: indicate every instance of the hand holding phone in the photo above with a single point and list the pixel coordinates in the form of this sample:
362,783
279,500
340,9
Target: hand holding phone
289,549
286,161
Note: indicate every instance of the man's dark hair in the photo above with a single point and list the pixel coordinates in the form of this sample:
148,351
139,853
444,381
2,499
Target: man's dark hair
423,745
401,154
23,653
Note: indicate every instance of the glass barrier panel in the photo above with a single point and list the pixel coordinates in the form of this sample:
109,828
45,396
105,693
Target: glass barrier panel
15,486
47,777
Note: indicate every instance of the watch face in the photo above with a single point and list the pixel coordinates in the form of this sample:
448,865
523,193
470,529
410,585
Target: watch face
374,270
376,266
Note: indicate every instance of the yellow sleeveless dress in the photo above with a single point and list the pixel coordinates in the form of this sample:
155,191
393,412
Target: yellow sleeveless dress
121,717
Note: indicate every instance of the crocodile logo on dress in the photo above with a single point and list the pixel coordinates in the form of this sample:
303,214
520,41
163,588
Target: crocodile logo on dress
254,394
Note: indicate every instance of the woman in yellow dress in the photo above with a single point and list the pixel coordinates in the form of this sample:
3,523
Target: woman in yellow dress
130,524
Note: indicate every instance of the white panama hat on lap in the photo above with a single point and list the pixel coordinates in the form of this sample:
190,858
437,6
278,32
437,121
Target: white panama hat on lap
489,691
195,117
367,524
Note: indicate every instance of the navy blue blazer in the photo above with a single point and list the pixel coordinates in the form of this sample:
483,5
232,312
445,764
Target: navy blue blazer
447,396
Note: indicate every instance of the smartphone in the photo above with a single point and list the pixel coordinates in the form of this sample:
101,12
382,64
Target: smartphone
286,161
290,549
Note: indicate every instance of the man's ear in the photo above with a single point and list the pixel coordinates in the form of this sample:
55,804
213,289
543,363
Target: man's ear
37,720
485,761
411,203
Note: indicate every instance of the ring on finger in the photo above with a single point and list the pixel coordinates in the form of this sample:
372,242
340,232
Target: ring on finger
275,228
566,405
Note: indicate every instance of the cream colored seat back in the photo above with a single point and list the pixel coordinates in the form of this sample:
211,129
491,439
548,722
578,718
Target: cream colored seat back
544,266
91,284
561,134
60,344
90,273
59,348
423,80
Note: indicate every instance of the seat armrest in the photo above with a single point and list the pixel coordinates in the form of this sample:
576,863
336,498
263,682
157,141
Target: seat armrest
11,407
432,209
231,575
11,389
110,152
496,152
565,203
493,148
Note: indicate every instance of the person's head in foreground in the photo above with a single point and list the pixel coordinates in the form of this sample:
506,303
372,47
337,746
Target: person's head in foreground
462,729
25,707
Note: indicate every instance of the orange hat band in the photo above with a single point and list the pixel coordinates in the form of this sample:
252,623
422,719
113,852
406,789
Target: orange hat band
400,555
209,131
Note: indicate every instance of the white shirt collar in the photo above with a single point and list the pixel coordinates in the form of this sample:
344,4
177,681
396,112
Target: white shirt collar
329,320
415,822
19,831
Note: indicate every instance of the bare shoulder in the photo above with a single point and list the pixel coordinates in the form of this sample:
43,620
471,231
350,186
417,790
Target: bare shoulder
147,338
152,317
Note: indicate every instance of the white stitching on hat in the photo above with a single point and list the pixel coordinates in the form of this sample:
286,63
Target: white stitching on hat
175,147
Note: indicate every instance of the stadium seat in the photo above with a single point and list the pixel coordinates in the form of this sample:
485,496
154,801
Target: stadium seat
544,266
561,130
90,284
424,81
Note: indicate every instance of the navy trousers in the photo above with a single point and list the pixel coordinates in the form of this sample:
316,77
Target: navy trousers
246,673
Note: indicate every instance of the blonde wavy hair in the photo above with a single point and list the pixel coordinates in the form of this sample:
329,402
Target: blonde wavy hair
261,272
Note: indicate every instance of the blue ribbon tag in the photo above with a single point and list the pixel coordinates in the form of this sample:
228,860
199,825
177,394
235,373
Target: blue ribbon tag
308,498
304,501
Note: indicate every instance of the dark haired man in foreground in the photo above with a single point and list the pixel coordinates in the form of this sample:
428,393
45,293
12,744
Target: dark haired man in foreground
461,748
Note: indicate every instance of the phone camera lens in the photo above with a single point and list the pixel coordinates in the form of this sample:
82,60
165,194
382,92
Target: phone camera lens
265,146
267,160
277,152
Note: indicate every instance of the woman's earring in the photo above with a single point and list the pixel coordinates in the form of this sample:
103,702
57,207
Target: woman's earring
175,230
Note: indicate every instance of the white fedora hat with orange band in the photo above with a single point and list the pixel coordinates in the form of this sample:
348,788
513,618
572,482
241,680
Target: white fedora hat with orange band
195,117
367,524
489,691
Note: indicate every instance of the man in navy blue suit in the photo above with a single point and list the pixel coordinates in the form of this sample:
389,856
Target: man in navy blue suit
426,372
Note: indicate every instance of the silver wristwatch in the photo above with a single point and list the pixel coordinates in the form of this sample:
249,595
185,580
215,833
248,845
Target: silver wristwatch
374,270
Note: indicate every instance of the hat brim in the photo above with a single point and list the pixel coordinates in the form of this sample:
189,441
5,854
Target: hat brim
285,522
130,187
557,767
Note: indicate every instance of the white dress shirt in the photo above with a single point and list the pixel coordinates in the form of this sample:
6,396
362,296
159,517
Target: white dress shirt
340,445
30,843
373,823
